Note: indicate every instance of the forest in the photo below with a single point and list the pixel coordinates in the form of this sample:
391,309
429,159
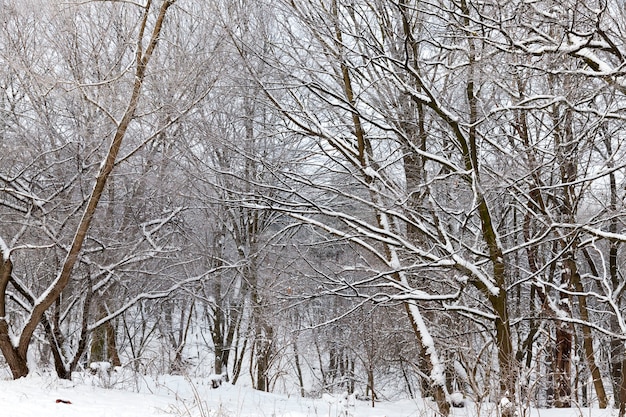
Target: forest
424,197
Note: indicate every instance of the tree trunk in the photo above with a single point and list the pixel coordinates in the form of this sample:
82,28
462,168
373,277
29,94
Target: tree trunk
296,360
506,358
97,352
563,366
616,362
263,347
617,349
437,384
596,376
622,390
17,362
112,352
563,342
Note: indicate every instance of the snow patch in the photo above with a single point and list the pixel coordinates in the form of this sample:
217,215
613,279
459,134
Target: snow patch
344,404
457,399
216,380
369,171
507,408
100,366
167,395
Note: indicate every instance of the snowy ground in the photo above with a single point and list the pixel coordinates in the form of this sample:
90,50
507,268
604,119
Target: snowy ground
177,396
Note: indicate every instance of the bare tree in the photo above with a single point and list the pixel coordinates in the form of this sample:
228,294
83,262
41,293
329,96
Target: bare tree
425,154
15,348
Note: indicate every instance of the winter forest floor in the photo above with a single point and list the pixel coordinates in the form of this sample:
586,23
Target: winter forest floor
177,396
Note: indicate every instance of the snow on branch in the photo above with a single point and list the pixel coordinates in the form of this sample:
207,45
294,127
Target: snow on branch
618,237
437,374
149,228
577,46
20,190
158,294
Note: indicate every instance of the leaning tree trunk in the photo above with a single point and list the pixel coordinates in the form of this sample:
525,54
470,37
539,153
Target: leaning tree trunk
16,362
